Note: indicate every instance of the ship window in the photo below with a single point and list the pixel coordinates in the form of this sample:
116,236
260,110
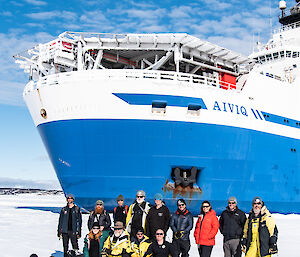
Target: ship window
262,58
275,55
288,53
269,57
295,54
159,107
282,54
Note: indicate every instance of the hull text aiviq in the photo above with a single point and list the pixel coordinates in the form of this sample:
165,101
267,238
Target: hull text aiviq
170,113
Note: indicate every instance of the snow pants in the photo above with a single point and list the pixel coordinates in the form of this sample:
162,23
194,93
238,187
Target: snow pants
254,250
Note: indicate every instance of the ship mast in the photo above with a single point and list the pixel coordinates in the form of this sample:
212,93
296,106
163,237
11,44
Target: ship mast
293,17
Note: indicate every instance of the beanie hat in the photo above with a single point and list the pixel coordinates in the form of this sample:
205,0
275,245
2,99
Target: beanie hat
70,196
140,229
96,225
257,199
120,198
140,192
118,224
158,196
181,201
232,199
99,202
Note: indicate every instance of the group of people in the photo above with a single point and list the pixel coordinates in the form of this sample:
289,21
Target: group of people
140,229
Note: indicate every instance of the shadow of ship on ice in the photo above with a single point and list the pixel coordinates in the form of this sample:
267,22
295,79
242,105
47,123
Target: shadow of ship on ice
57,254
52,209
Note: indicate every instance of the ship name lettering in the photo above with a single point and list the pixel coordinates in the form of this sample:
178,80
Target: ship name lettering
232,108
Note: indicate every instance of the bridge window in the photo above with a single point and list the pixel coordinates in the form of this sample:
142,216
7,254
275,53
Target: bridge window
262,58
295,54
269,57
275,55
281,54
288,53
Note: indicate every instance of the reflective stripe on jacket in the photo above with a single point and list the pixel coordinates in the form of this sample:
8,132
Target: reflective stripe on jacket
141,249
119,248
267,231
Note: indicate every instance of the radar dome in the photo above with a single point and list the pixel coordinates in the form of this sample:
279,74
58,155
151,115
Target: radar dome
282,5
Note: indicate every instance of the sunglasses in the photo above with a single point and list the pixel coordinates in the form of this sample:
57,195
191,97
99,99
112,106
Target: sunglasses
159,234
139,234
96,228
70,198
181,204
231,202
99,204
205,206
140,196
257,204
120,200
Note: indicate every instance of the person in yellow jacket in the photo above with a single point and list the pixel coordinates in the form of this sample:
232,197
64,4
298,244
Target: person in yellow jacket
137,214
260,232
118,244
140,243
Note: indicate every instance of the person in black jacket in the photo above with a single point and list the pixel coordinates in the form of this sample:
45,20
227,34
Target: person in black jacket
158,217
100,216
120,212
232,222
160,247
181,225
69,225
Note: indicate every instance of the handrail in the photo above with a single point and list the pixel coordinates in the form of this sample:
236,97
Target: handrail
132,74
287,27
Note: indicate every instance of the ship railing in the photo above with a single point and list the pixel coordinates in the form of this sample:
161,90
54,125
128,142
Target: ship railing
170,76
287,27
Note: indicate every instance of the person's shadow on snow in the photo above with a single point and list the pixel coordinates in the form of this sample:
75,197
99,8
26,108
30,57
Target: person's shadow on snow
57,254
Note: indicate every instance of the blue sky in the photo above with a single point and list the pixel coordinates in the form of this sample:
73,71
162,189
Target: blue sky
24,23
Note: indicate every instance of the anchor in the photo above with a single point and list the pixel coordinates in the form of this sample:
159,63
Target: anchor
185,178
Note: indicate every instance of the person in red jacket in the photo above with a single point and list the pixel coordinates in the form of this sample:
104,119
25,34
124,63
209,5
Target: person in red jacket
206,229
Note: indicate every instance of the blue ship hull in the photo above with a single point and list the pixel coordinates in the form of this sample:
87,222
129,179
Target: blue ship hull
100,159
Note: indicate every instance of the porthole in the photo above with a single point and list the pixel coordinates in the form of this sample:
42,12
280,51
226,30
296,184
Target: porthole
43,113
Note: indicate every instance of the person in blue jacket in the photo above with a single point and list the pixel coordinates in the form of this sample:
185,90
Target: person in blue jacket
181,225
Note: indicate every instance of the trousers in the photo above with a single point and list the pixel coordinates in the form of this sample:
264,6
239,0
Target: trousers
205,250
69,236
232,248
183,247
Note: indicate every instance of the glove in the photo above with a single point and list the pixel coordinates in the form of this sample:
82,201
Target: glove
178,234
243,245
273,248
59,234
104,252
78,234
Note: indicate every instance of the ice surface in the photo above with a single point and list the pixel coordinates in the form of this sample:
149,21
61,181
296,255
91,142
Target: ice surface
28,224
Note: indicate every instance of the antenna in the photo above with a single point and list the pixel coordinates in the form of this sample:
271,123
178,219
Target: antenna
270,17
282,7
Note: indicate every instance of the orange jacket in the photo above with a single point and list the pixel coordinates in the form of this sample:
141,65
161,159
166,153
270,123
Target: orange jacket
205,233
